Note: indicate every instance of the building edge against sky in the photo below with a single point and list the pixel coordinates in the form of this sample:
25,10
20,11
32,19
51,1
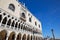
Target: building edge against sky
13,15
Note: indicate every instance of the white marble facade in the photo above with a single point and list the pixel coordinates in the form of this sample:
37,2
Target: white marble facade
17,22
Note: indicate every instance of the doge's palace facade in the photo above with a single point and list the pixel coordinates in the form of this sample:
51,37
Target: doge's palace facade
17,22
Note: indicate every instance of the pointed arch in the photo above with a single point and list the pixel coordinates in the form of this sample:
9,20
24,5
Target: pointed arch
13,23
18,37
4,20
24,37
3,35
11,36
9,22
19,25
16,24
0,18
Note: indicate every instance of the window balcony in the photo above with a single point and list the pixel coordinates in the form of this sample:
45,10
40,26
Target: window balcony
22,18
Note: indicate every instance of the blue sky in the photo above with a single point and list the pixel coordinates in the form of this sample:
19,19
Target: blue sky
48,12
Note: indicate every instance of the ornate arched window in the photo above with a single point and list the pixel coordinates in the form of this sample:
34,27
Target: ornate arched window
23,15
11,7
